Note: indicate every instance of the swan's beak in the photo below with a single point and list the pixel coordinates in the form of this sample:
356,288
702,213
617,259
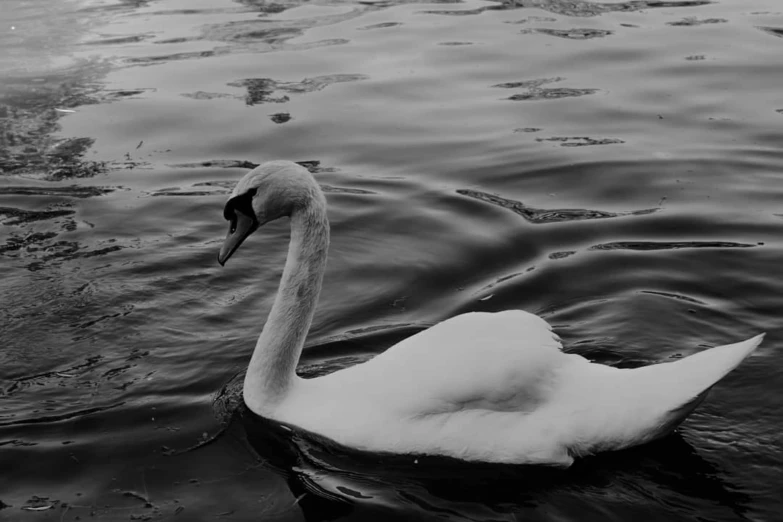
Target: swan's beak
241,226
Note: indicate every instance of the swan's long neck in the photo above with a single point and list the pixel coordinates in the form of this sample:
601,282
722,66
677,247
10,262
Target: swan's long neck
272,367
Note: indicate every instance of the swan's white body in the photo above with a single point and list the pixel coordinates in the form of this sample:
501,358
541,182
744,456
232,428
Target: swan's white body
492,387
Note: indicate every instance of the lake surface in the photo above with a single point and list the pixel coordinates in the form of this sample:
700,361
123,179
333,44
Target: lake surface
615,167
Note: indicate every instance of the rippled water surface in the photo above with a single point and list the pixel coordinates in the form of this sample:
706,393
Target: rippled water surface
616,167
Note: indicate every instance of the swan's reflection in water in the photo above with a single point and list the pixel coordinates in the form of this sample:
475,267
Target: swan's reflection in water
332,482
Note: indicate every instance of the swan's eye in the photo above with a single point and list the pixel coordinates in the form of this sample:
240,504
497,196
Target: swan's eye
233,224
243,203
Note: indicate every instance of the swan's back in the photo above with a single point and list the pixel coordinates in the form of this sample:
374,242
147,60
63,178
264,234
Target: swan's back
496,361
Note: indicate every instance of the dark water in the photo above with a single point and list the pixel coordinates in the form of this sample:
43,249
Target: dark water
616,167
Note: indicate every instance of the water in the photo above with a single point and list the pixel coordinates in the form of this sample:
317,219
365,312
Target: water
614,167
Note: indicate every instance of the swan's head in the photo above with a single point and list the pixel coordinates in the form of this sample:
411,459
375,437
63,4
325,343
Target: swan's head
270,191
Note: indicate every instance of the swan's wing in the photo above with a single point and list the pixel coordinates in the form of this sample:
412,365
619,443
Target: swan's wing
489,361
497,387
471,387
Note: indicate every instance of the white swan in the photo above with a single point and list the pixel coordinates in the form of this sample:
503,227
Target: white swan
492,387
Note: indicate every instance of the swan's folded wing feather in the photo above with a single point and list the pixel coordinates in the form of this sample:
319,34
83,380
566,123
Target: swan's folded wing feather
496,387
493,361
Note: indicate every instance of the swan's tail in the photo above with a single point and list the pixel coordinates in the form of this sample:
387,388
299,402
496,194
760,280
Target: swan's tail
682,385
642,404
697,373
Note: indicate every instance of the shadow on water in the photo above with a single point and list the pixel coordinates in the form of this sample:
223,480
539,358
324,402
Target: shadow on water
331,481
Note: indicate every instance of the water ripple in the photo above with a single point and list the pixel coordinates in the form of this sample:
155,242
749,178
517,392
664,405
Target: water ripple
571,34
384,25
46,419
693,21
678,297
74,191
267,90
774,31
536,92
586,9
667,245
544,216
17,216
582,141
551,94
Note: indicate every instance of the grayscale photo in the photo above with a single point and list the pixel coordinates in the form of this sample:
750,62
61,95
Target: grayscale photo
391,260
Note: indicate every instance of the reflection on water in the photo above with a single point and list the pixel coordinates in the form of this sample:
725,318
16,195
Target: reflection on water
613,166
330,482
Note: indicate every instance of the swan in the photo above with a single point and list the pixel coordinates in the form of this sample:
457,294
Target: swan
487,387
